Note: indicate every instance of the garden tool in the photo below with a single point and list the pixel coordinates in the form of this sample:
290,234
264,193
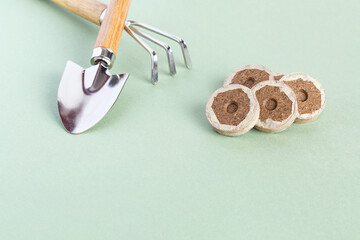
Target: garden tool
136,34
81,109
86,95
95,11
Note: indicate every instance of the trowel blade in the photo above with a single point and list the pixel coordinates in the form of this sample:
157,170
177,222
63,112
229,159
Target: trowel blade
86,95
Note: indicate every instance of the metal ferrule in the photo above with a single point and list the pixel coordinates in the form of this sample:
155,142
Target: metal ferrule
104,55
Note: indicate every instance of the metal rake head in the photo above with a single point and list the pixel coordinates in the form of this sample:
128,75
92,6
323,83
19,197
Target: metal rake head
130,27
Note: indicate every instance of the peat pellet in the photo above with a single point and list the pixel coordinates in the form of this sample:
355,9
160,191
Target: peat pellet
232,110
278,106
310,96
249,76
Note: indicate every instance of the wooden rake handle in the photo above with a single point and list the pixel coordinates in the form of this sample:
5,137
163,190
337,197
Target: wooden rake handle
114,21
91,10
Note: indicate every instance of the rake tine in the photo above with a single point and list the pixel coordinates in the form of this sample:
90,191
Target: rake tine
177,39
166,47
154,58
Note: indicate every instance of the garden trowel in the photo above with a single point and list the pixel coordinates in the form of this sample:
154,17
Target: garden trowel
86,95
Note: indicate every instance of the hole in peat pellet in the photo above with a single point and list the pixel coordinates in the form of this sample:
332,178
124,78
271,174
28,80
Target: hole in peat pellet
249,82
232,107
270,104
302,95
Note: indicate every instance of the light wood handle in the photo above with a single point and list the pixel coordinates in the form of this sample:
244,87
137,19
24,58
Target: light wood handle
89,9
113,25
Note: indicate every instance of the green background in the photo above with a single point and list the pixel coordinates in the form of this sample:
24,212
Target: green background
154,168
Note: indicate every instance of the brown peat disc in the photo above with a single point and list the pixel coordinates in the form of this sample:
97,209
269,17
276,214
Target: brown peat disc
232,110
249,76
310,96
278,106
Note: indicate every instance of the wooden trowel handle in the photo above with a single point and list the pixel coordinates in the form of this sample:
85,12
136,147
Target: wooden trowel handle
89,9
113,25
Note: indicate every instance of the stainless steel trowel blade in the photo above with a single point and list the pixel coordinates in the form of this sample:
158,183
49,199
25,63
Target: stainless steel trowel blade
86,95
